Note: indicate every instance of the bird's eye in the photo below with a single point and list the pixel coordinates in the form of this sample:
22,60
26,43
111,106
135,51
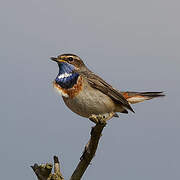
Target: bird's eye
70,59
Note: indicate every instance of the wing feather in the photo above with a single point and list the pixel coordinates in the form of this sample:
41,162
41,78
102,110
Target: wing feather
98,83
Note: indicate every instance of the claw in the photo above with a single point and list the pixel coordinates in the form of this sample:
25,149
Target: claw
101,118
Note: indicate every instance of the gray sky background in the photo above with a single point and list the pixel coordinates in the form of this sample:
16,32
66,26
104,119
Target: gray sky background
134,45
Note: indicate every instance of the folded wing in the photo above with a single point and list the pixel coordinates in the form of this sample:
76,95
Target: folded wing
98,83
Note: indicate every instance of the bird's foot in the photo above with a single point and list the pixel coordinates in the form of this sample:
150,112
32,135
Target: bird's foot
97,118
101,118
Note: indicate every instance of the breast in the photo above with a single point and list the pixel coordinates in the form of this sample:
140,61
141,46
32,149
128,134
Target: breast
70,92
89,101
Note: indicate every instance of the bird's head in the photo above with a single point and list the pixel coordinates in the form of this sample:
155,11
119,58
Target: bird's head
70,66
70,60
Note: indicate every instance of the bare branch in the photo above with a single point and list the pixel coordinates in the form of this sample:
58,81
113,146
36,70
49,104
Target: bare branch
57,168
89,150
43,171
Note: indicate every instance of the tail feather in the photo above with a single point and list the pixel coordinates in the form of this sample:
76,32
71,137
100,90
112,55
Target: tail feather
136,97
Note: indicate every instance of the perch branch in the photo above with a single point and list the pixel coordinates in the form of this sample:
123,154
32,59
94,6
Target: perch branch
89,150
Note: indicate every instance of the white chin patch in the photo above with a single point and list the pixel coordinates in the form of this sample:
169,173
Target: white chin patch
65,75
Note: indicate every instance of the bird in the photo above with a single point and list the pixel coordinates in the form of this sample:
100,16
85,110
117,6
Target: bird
88,95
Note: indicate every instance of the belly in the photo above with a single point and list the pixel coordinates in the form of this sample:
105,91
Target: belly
90,101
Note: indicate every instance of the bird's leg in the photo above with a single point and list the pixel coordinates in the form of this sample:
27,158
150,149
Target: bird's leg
101,118
97,118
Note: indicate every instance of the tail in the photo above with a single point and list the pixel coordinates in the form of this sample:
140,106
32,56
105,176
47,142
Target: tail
136,97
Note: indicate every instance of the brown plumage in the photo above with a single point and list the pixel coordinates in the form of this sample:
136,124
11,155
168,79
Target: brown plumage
95,96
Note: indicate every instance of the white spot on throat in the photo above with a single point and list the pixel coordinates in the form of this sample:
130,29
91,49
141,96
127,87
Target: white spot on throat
65,75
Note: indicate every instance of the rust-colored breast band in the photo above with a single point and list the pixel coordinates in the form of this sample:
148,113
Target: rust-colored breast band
71,92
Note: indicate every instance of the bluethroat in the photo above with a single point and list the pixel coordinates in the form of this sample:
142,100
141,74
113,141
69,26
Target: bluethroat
90,96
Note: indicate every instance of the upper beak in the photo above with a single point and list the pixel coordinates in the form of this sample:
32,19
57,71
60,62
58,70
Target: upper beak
54,59
57,60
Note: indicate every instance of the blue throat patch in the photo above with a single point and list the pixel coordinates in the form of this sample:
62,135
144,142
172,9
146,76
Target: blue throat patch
66,78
